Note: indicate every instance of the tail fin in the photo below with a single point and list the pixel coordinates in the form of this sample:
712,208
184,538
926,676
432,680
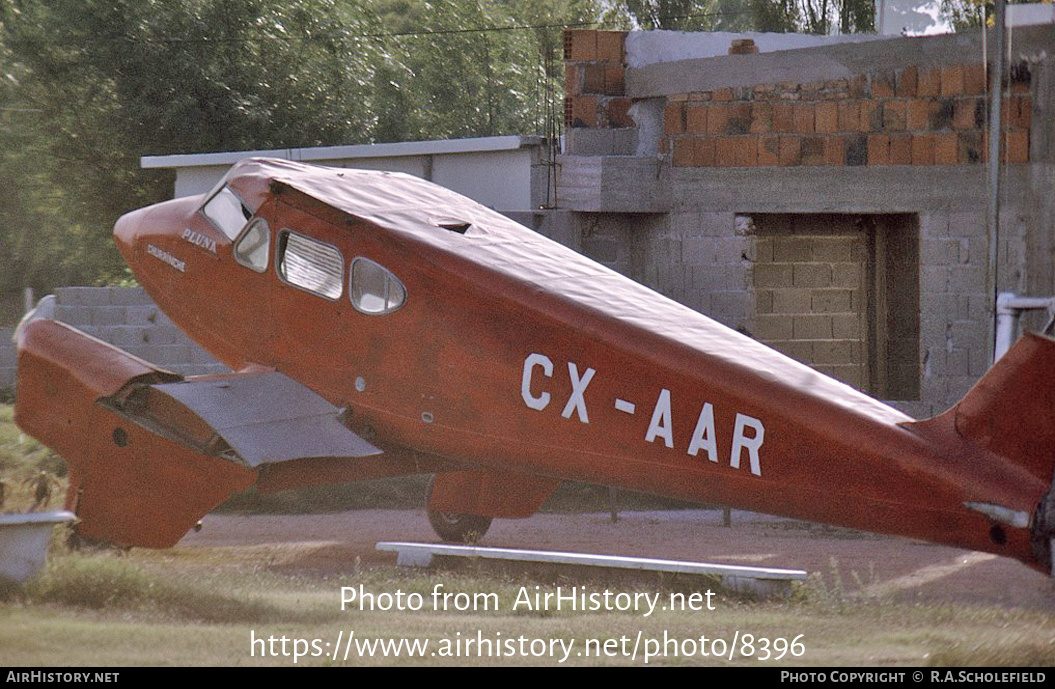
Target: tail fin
1010,413
1011,410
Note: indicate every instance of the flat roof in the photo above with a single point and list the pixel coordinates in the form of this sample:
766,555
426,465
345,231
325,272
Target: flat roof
390,150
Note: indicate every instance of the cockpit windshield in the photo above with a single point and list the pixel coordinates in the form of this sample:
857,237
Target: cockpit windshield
227,212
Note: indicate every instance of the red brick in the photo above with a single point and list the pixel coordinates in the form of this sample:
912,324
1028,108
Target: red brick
584,111
952,82
583,45
803,114
918,116
748,150
878,149
572,81
761,117
613,80
969,148
783,117
871,116
894,115
735,151
907,80
946,146
696,118
683,151
849,116
963,114
929,81
610,46
593,79
703,151
826,117
1020,111
900,149
618,110
1016,148
834,150
974,79
768,150
789,150
922,149
672,119
859,86
723,94
717,118
882,85
812,148
739,118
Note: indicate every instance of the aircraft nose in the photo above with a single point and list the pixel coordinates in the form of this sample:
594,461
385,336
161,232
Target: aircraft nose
125,232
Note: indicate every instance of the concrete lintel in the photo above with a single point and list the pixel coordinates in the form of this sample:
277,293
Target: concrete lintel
613,184
878,189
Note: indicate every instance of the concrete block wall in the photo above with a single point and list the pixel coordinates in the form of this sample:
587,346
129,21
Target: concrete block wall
913,116
124,317
810,298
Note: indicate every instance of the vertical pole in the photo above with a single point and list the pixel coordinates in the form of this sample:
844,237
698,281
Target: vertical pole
27,300
993,207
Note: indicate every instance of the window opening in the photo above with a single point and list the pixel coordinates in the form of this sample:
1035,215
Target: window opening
253,248
311,265
227,212
374,289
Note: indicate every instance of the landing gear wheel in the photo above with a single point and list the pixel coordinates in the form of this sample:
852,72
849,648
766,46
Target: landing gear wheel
459,528
456,528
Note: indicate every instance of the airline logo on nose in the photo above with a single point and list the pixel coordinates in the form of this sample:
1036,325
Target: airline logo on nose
198,239
748,433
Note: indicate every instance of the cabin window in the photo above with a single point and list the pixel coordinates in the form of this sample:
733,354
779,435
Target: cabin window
253,248
310,264
374,289
227,212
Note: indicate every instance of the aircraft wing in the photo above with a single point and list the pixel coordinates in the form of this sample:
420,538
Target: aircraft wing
149,453
266,417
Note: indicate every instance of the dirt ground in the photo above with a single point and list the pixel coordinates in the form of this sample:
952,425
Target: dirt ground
904,569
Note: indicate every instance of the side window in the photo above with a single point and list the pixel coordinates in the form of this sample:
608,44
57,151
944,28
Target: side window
310,264
253,248
227,212
374,289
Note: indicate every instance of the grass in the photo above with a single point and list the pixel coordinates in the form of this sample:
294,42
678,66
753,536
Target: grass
178,607
204,605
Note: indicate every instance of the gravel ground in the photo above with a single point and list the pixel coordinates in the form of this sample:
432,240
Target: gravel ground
904,569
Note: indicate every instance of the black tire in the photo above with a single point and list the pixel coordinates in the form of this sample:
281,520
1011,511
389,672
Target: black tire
456,528
459,528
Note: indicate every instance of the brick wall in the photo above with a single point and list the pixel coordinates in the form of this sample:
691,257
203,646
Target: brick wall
911,116
593,80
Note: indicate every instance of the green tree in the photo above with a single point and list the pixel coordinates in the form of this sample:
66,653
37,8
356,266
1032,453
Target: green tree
112,80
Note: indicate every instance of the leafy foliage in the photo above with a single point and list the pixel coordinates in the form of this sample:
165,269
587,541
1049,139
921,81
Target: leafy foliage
90,86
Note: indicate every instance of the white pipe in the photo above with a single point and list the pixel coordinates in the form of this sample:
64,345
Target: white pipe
1008,309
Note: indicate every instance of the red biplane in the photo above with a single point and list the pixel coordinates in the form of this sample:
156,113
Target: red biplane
379,325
